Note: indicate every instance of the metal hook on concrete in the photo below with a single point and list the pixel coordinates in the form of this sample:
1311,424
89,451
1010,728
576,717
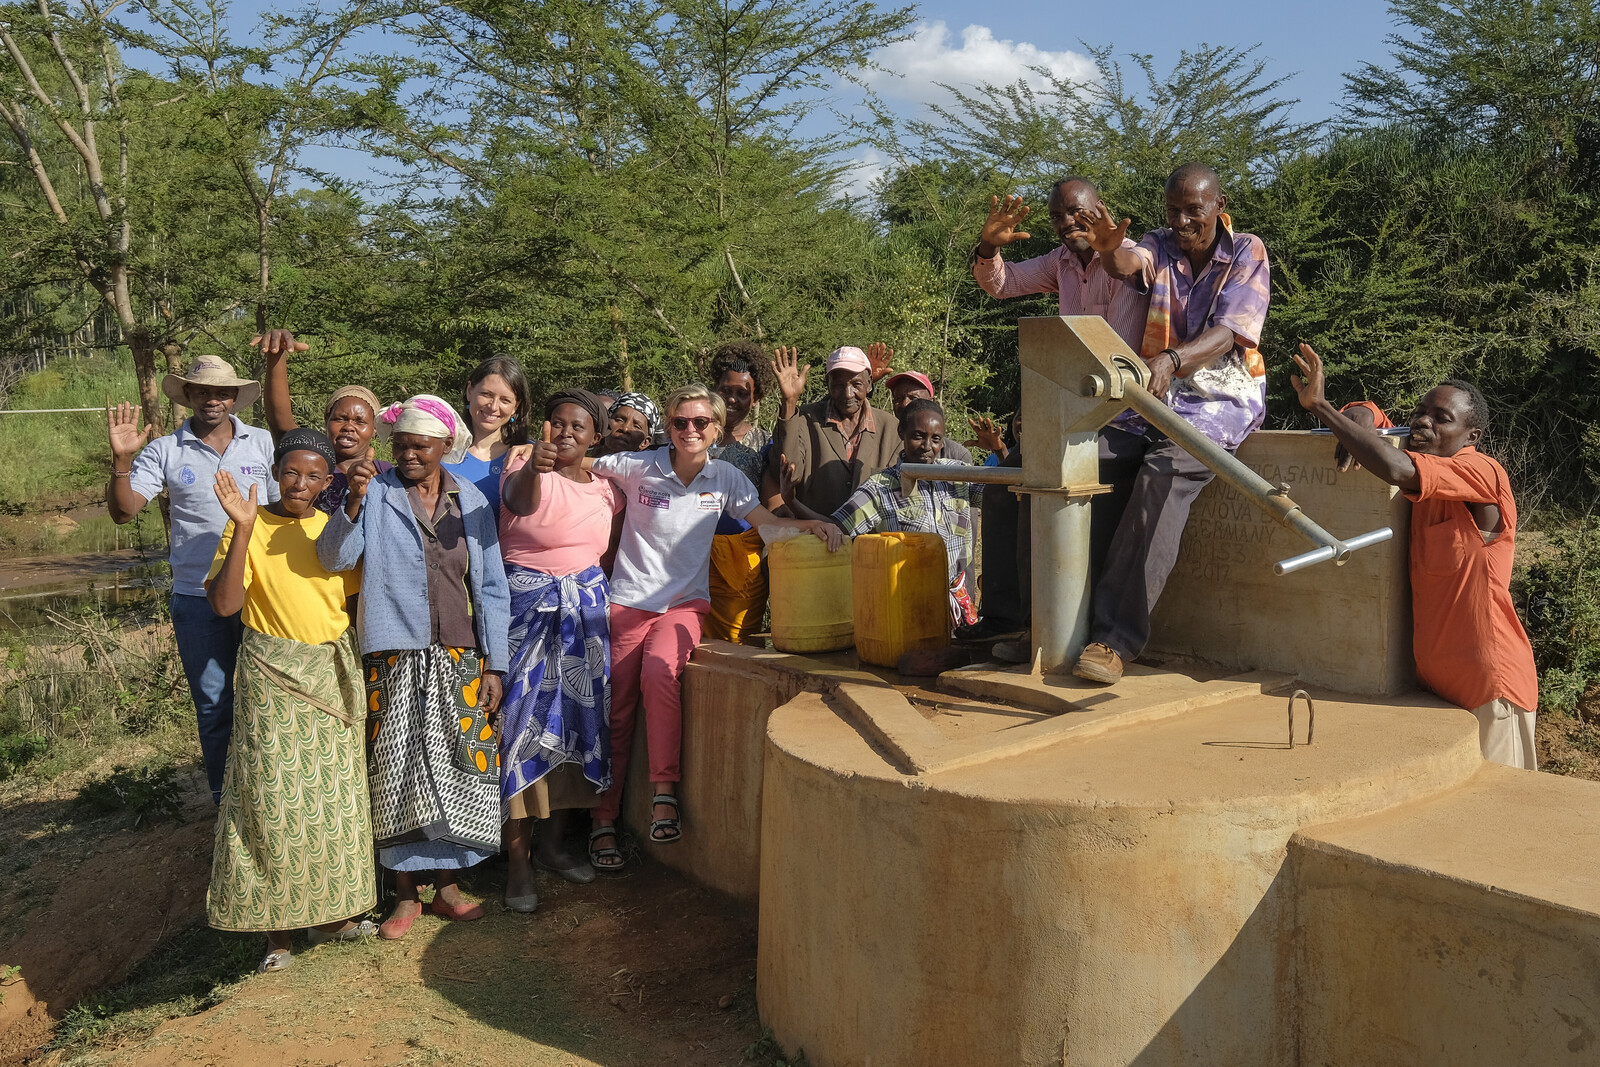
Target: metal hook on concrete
1311,715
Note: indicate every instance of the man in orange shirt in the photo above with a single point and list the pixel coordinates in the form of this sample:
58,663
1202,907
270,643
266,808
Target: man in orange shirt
1469,644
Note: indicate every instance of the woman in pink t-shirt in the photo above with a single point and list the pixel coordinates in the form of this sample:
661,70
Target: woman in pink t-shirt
555,745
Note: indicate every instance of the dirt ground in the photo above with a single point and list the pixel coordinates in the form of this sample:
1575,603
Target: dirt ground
627,972
636,970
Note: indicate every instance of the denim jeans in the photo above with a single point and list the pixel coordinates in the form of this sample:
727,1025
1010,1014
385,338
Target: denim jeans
208,645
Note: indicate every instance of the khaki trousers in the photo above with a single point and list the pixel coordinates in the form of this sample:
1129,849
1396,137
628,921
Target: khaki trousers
1505,733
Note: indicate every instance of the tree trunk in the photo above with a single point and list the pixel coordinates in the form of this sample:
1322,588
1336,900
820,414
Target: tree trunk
622,349
174,357
142,345
264,265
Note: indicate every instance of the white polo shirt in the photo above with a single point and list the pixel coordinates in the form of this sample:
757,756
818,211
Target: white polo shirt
664,557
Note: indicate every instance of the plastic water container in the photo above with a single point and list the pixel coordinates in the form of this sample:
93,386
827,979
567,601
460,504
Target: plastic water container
810,596
901,585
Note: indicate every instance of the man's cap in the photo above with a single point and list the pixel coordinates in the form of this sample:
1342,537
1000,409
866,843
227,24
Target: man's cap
214,371
908,376
849,358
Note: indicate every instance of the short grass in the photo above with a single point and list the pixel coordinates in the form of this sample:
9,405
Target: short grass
50,458
187,974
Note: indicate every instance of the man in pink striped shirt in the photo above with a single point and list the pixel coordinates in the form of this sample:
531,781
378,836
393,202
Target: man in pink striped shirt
1072,270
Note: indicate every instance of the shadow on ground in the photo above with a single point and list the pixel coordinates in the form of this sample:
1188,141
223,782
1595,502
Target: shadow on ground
642,968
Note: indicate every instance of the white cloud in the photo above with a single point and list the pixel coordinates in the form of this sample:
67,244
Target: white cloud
928,58
859,174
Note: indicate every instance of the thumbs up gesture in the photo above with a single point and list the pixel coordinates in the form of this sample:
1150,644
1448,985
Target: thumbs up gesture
544,452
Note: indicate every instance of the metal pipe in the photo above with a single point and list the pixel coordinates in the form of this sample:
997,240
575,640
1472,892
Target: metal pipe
1327,552
945,472
1269,498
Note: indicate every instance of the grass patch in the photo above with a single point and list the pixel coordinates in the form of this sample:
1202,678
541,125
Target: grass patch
86,682
60,457
198,968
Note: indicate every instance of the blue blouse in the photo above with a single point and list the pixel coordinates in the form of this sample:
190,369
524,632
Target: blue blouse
483,473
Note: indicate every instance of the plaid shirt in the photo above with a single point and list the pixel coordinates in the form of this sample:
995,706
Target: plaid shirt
944,508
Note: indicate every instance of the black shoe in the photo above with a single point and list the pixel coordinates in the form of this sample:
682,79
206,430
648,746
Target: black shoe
987,630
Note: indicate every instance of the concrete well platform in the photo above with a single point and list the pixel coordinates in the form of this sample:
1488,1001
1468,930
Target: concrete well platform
967,887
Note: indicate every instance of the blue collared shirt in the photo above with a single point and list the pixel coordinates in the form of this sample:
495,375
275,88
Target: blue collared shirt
186,467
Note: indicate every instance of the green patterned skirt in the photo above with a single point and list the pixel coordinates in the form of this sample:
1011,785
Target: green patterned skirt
294,831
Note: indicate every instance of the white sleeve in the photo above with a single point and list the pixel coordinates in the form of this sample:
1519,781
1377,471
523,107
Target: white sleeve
150,468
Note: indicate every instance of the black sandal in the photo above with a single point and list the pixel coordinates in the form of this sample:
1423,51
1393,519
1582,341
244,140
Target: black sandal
671,826
596,855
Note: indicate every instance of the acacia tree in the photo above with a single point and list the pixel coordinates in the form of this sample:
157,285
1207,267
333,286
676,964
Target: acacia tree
265,98
633,189
64,79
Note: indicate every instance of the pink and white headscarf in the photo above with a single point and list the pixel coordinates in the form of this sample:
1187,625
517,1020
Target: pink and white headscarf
429,416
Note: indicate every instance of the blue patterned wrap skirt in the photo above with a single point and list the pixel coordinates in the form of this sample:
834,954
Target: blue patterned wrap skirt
557,702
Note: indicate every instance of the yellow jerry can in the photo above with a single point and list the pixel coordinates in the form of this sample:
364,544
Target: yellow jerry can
810,596
901,583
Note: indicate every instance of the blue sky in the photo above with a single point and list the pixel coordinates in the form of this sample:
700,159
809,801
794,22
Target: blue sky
1319,42
968,41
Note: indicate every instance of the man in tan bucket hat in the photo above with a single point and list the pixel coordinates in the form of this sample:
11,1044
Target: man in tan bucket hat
184,464
210,371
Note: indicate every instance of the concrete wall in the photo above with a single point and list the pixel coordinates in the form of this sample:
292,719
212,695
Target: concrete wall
1348,628
729,691
1463,930
1115,899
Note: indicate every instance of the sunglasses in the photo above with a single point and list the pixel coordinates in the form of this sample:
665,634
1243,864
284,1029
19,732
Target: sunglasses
700,422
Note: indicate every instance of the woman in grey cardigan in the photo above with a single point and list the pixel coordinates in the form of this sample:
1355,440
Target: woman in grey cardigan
434,613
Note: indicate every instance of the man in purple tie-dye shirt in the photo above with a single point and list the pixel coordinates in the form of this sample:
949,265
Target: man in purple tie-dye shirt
1208,289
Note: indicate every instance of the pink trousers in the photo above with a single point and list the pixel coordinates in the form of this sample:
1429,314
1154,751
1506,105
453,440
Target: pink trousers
648,651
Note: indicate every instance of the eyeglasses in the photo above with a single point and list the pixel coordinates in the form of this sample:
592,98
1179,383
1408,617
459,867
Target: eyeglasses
682,422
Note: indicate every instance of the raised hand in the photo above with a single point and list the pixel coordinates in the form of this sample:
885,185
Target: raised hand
788,474
1308,384
790,374
122,423
1000,228
360,475
241,510
278,343
880,356
1361,416
1105,234
544,452
990,436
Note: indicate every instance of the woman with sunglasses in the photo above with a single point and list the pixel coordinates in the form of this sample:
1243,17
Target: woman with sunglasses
660,595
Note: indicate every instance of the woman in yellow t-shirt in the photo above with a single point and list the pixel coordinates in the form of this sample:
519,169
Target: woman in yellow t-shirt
294,831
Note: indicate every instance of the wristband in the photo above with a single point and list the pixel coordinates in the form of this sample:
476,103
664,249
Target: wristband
120,474
1177,364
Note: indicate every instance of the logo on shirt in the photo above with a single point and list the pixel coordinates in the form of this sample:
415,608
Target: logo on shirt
654,498
710,502
251,470
186,476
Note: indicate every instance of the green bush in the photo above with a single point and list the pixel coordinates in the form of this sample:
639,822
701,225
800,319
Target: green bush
1559,596
141,792
19,750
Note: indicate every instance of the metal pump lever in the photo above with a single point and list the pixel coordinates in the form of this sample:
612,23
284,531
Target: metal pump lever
1274,500
1125,388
